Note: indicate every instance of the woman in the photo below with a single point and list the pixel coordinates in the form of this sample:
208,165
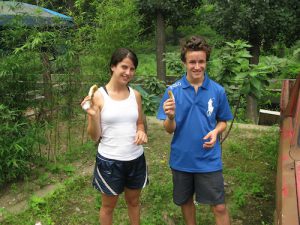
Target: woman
116,117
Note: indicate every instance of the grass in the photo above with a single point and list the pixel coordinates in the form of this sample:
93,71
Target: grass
249,170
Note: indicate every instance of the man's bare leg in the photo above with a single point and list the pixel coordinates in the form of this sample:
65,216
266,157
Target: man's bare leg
189,212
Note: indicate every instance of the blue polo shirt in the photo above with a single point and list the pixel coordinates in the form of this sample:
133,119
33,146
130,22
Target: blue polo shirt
196,115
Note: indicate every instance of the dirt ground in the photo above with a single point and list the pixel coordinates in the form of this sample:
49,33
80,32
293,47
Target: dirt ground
15,197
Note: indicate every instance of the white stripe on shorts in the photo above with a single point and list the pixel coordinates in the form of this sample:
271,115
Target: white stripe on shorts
146,177
98,185
104,182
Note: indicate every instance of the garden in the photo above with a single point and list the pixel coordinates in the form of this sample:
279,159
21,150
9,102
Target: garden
46,156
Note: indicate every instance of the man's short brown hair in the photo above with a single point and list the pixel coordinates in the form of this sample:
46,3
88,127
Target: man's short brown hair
195,43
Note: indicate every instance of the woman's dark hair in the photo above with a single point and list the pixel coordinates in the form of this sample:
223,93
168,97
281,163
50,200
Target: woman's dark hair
195,43
120,54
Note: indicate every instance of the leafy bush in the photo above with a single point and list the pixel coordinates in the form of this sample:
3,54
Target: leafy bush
152,85
292,68
151,90
174,63
18,76
232,70
17,140
117,25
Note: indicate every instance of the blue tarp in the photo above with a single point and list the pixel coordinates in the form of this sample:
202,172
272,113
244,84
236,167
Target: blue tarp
31,15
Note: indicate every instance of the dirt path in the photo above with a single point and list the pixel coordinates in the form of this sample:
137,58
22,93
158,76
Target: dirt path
15,201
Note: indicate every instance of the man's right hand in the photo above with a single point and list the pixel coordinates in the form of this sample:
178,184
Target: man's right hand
169,108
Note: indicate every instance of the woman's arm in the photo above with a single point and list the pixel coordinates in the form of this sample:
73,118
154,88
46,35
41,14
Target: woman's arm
141,136
94,118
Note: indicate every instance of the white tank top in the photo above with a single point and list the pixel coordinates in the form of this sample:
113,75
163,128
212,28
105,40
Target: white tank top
119,126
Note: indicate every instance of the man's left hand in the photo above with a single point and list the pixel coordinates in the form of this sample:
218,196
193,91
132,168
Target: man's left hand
210,139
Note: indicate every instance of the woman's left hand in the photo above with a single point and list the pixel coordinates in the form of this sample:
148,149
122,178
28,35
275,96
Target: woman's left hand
140,137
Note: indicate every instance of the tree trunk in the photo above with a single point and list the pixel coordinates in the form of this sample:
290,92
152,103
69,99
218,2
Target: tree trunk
160,46
252,110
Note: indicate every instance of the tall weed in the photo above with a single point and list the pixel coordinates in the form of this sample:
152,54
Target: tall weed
17,141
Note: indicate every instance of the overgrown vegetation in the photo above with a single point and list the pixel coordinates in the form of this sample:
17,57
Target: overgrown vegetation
16,152
46,71
250,197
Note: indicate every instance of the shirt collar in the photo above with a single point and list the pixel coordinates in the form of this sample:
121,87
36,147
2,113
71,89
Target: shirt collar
186,83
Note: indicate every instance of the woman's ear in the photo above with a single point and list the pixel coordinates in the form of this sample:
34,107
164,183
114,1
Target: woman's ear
112,68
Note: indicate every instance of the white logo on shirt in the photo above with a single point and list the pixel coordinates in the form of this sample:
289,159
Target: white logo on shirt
210,107
175,85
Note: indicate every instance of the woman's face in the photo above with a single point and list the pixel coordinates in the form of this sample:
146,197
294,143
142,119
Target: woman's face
124,70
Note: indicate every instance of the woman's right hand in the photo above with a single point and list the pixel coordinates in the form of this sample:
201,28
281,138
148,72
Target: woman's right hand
93,109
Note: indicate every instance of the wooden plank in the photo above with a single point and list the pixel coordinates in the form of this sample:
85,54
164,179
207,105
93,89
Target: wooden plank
268,117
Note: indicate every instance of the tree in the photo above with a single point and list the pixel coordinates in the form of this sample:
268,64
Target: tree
168,12
261,23
116,25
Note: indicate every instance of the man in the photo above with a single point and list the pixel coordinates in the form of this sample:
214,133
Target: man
196,114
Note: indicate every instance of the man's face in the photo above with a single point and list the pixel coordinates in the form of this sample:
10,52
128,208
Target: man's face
195,64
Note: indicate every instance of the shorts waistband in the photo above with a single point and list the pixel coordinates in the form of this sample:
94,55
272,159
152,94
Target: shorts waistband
101,157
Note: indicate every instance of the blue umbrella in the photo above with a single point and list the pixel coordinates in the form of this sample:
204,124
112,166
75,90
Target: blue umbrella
31,15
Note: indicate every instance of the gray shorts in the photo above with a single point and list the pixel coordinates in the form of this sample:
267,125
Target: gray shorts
207,187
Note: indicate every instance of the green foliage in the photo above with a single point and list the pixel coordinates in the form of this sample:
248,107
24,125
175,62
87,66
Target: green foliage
152,85
233,60
231,68
43,179
174,63
202,29
59,59
151,89
292,68
147,64
175,12
36,203
38,41
17,141
255,20
269,143
18,76
250,151
249,194
117,25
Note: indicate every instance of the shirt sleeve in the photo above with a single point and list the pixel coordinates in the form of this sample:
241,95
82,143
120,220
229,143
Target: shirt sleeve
224,111
160,113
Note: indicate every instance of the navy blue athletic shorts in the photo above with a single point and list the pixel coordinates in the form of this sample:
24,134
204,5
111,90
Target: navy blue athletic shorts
112,176
207,187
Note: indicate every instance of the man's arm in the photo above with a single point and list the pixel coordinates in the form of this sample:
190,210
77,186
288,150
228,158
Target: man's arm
169,125
221,126
169,109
